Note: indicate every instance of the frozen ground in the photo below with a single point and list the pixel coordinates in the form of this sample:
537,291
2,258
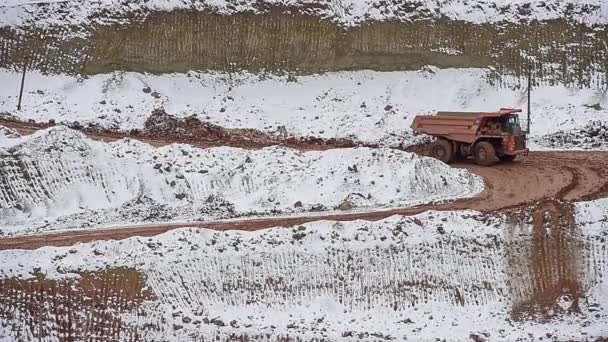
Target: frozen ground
368,106
593,136
347,12
60,178
439,275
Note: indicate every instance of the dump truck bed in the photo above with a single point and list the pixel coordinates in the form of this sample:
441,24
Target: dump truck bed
457,126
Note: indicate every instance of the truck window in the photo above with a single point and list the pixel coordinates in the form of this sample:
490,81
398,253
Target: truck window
513,120
511,123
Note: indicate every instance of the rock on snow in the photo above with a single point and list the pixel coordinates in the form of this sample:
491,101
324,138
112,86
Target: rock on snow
593,136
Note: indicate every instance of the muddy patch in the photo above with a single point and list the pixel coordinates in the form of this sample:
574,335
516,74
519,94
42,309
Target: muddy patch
86,308
544,261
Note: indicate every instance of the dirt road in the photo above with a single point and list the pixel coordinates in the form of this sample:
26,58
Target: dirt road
542,175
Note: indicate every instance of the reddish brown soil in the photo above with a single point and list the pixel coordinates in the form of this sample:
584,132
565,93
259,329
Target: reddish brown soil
162,129
45,305
552,264
540,176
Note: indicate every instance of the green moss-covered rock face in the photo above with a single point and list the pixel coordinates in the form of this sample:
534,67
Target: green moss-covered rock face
274,41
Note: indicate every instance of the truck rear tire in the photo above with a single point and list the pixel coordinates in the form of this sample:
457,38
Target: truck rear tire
442,149
507,158
485,153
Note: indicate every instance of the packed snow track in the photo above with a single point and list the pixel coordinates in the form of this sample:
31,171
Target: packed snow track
563,175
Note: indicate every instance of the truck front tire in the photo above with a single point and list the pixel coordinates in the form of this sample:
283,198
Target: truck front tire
443,150
485,153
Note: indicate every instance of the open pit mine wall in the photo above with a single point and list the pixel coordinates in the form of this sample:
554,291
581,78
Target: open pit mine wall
179,41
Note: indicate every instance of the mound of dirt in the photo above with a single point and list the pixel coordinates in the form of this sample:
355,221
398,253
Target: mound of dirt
165,126
192,130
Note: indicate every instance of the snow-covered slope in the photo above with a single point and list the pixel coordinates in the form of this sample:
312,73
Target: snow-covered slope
347,12
58,172
439,275
364,105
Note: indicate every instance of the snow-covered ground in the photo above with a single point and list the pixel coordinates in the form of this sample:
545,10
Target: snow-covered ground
437,275
43,13
593,136
60,178
368,106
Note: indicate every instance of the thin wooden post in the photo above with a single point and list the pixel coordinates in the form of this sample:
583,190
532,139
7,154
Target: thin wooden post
22,84
529,94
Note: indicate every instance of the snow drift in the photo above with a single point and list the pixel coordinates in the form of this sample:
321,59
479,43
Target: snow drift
374,107
59,172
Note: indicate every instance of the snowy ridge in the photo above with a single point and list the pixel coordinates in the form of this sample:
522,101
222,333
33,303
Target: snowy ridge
59,172
345,12
375,107
435,275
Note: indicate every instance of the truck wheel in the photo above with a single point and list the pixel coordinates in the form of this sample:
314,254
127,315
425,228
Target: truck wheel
442,150
485,153
506,158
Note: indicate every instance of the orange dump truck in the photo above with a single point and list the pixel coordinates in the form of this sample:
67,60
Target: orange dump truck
488,137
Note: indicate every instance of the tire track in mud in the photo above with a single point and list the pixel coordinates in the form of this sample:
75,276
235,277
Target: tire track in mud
545,260
545,264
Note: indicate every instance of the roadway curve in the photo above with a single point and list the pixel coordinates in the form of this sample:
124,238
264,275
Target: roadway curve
564,175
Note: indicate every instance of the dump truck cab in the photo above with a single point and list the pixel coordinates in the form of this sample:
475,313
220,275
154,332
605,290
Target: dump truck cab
487,136
502,124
